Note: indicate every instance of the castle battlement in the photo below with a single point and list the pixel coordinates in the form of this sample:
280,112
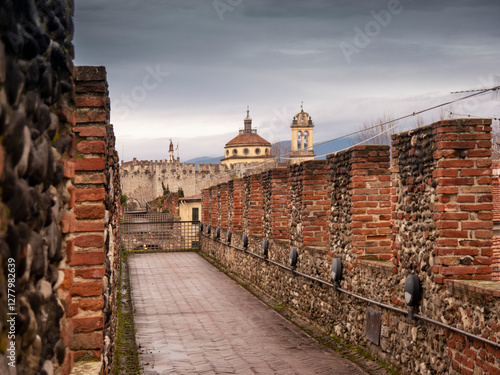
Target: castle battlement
145,180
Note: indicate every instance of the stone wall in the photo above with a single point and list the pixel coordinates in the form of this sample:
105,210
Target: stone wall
143,179
60,203
440,200
36,120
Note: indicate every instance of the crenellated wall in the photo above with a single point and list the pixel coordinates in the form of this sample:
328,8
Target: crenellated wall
429,214
144,179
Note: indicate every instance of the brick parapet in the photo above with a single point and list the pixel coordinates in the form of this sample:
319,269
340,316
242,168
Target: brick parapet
214,217
238,198
359,195
255,206
428,174
205,206
315,204
275,196
95,243
464,199
224,204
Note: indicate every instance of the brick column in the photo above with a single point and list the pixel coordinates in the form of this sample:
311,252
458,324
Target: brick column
315,204
371,201
256,206
279,204
464,200
238,202
215,203
224,204
205,206
496,218
87,247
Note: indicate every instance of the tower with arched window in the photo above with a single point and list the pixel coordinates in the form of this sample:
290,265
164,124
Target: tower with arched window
302,137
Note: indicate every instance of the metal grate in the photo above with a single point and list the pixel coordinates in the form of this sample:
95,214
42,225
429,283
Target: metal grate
157,231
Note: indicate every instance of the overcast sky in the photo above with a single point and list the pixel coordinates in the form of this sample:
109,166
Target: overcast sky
187,69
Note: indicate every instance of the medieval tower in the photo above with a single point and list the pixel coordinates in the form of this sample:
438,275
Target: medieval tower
302,137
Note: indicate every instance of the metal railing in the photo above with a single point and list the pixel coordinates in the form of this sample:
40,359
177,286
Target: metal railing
153,231
334,286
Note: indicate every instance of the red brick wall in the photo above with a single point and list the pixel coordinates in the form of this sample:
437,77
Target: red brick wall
371,206
205,206
224,201
256,206
464,205
496,219
88,243
315,204
238,202
214,208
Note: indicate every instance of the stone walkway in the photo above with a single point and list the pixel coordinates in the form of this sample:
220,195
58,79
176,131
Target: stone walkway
192,319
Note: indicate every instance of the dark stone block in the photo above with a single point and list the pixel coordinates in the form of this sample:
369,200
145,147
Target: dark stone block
63,144
13,40
37,210
31,101
30,46
33,75
35,300
65,81
57,57
58,175
60,351
50,165
19,202
11,239
15,83
2,118
42,117
38,162
39,262
46,85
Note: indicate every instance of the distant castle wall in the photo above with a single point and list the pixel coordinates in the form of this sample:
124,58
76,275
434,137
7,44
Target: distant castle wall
142,179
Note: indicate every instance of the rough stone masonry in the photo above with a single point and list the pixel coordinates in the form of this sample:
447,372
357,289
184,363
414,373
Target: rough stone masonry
59,183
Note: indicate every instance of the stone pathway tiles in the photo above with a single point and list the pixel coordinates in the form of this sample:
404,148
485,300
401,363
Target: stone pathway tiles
192,319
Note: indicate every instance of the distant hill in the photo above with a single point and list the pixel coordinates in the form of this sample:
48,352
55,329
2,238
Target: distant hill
206,160
321,151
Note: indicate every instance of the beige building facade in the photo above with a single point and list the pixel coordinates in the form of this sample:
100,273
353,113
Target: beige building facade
190,208
247,147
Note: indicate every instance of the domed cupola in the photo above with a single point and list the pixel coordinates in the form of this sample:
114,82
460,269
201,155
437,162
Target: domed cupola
247,147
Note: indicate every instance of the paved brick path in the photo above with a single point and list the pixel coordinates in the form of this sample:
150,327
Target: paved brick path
192,319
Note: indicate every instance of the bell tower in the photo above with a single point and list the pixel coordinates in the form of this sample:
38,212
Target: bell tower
171,152
302,137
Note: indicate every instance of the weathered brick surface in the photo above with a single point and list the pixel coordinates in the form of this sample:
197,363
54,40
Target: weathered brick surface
97,209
